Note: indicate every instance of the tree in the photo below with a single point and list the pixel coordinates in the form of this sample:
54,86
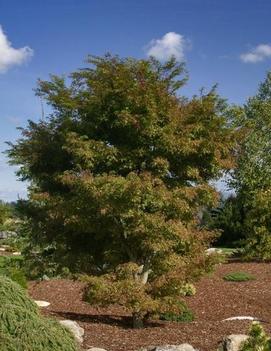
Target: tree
4,213
228,218
118,174
6,216
252,177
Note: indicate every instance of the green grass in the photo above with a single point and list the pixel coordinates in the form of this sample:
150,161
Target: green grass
239,277
229,251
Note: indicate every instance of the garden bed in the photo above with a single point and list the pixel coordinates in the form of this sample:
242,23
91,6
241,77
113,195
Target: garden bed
214,301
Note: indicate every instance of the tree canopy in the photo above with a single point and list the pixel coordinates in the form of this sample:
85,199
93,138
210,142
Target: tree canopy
252,177
119,172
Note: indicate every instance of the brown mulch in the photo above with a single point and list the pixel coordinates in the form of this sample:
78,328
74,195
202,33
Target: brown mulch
214,301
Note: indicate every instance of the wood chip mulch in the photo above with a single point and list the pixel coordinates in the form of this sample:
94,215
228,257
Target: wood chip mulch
214,301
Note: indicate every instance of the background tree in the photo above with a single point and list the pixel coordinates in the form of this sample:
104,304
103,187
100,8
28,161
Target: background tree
228,218
118,174
252,178
8,216
5,213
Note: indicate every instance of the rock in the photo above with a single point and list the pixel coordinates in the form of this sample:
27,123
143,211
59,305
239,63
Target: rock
233,342
182,347
74,328
213,250
42,303
17,253
2,249
95,349
45,277
241,318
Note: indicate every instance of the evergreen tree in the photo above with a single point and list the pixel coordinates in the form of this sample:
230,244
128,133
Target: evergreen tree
252,177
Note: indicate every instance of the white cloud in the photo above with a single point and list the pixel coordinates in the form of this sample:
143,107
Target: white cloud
171,44
10,56
258,54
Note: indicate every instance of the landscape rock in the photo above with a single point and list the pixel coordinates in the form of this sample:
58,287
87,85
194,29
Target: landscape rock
182,347
213,250
45,277
74,328
241,318
17,253
233,342
42,303
95,349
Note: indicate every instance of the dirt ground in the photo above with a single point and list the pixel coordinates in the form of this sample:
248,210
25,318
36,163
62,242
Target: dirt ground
214,301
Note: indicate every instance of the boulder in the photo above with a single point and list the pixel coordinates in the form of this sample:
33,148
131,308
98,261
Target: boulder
182,347
77,331
42,303
233,342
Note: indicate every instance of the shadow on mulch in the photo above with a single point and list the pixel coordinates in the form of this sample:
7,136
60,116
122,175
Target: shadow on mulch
124,322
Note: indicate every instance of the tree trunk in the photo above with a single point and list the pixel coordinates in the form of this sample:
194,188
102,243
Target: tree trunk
137,321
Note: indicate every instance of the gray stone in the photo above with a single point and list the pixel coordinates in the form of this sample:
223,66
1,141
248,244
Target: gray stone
240,318
213,250
233,342
77,331
42,303
16,253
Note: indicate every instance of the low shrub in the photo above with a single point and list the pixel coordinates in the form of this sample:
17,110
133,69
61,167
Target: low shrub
188,290
238,277
22,328
12,267
185,316
258,340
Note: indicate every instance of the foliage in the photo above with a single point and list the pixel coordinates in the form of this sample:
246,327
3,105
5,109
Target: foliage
185,316
228,218
188,290
238,277
258,340
252,178
5,213
12,267
119,173
6,216
23,329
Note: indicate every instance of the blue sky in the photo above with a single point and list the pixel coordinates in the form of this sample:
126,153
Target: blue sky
222,41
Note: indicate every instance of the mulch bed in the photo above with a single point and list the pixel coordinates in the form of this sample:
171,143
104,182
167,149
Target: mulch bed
214,301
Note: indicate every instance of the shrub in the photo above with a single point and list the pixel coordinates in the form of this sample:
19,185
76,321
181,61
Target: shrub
258,340
188,290
185,316
12,268
23,329
238,277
